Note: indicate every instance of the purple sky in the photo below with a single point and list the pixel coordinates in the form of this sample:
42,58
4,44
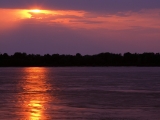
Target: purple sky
79,26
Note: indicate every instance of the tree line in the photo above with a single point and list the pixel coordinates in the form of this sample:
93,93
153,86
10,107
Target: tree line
19,59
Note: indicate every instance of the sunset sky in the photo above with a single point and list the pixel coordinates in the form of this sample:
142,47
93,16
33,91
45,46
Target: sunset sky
79,26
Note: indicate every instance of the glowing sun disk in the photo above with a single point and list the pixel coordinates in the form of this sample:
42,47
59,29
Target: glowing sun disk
35,11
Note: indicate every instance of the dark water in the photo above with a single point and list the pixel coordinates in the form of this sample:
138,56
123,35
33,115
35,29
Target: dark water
113,93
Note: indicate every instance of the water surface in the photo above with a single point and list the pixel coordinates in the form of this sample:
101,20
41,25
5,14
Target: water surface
81,93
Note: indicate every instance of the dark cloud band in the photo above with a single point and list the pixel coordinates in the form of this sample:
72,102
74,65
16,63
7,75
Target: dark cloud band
88,5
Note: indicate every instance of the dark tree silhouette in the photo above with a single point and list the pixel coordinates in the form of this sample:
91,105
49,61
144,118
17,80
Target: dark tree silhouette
19,59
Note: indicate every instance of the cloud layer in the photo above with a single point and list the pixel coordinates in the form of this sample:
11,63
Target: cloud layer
68,27
94,5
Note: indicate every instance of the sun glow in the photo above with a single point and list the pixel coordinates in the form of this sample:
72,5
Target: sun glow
35,11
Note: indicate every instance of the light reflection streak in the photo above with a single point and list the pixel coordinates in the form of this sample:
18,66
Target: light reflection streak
36,97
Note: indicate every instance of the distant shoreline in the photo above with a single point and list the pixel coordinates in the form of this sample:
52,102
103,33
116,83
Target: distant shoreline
78,60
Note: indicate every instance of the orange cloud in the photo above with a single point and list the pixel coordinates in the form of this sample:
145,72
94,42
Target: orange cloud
120,21
82,19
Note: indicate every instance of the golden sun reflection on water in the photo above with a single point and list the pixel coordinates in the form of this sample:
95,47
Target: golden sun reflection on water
35,95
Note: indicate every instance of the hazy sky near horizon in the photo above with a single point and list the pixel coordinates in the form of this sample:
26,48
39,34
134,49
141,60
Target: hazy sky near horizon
79,26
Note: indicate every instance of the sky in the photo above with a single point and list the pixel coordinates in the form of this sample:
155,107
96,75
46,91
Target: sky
79,26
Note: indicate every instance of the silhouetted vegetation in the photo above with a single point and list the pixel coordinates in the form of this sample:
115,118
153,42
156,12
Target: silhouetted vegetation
102,59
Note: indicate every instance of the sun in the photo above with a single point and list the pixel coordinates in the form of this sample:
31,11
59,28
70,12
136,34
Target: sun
35,11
